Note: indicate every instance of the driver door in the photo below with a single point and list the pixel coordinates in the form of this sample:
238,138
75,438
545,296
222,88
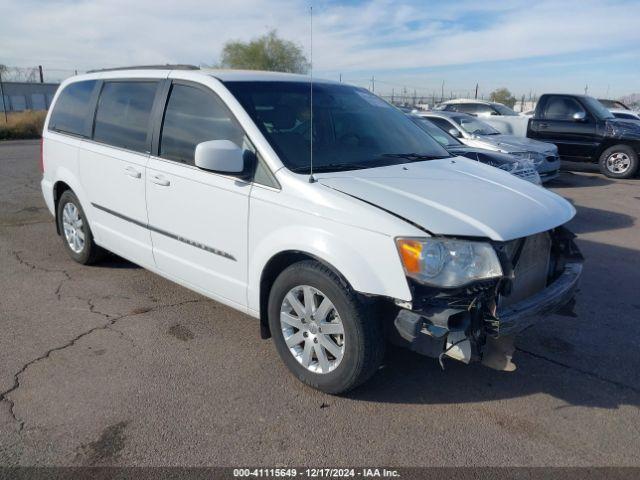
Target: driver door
198,219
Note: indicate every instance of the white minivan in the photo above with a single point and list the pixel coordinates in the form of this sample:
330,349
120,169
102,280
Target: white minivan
206,178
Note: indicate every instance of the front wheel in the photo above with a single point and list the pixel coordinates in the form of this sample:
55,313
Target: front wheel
619,161
326,336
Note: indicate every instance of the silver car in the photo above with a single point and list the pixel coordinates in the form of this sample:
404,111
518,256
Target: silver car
476,133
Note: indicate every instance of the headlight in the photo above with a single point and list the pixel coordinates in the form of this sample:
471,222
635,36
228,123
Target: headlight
519,165
534,157
448,263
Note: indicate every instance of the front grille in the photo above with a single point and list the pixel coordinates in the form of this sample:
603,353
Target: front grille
531,270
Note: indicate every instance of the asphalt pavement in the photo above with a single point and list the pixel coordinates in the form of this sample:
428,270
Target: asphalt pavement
113,365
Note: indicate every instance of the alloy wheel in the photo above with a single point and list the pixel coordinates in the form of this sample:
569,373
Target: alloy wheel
618,162
312,329
72,225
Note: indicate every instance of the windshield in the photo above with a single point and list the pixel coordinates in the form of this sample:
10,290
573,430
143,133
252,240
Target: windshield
442,137
352,128
504,110
596,108
613,104
474,126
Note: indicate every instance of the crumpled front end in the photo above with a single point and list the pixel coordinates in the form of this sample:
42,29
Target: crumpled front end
479,322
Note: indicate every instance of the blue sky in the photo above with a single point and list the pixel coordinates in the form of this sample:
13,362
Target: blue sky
526,46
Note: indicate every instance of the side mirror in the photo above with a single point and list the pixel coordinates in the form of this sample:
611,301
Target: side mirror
454,132
579,117
221,156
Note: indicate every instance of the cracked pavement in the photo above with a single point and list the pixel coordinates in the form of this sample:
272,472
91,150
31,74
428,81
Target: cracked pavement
113,365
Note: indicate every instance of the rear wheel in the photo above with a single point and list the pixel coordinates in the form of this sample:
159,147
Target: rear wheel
619,161
323,332
75,232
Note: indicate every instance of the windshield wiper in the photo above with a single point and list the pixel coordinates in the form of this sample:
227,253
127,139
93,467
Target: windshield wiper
415,156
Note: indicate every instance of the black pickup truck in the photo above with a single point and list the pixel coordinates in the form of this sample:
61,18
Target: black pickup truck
584,130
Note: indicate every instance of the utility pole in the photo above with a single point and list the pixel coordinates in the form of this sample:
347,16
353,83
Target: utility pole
41,75
476,97
4,106
442,92
340,78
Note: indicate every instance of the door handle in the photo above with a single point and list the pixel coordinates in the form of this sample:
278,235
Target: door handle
160,180
132,172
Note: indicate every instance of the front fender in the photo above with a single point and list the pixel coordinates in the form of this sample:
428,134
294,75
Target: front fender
367,260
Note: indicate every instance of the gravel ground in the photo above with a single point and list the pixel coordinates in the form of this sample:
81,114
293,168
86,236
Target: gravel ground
113,365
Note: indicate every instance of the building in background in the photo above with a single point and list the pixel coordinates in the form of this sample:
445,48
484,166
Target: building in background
19,96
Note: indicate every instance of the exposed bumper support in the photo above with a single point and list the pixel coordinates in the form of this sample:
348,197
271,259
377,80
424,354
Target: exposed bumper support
523,314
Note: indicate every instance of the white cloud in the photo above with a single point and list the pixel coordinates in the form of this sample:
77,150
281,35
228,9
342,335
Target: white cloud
376,36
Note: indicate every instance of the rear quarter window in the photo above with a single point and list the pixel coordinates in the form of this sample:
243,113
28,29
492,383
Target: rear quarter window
71,111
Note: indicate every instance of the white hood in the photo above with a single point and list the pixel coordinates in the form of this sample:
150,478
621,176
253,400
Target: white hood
456,196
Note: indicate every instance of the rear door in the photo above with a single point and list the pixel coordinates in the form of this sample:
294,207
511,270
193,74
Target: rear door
198,219
575,139
113,167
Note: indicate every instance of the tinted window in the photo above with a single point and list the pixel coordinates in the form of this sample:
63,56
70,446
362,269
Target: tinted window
441,136
71,110
504,110
123,114
562,108
480,109
193,116
625,116
474,126
596,108
442,123
351,129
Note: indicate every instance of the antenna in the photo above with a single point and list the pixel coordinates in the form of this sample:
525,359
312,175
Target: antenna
311,178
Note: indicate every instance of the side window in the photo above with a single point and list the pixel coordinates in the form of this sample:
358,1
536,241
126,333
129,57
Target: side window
71,110
561,108
263,175
123,114
193,116
483,110
442,123
470,108
451,107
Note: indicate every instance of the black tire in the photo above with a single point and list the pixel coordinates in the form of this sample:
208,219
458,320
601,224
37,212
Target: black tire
623,150
90,252
364,341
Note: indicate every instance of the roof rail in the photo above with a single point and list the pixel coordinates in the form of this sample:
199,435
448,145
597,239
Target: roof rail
148,67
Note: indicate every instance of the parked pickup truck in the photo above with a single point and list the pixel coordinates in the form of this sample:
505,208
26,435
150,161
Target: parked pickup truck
584,130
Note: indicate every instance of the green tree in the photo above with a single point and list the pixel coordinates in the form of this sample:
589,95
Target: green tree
268,52
503,95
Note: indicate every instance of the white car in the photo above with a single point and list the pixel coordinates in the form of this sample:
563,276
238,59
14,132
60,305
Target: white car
499,116
625,114
478,133
206,178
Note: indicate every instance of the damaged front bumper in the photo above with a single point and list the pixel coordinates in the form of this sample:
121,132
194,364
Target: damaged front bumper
473,326
517,317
